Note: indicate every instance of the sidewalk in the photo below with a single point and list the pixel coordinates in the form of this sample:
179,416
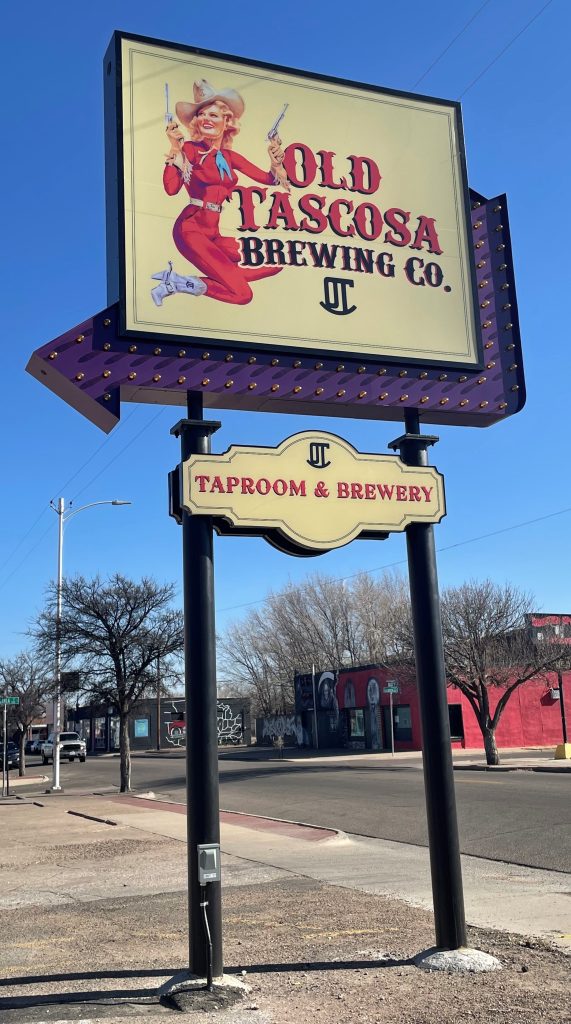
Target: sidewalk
514,759
325,925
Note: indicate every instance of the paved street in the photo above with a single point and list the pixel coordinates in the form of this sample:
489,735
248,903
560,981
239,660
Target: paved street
518,817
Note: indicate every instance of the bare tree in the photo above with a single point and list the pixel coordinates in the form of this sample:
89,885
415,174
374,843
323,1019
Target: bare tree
25,676
114,631
382,607
487,647
322,622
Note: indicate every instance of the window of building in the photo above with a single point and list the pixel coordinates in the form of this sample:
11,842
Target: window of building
84,730
141,728
456,721
114,732
402,722
99,732
356,723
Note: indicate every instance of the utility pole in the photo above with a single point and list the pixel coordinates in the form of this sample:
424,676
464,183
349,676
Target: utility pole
158,702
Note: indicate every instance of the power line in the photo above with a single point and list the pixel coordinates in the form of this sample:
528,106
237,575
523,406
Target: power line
451,43
22,539
81,468
26,556
118,455
402,561
59,490
94,454
506,48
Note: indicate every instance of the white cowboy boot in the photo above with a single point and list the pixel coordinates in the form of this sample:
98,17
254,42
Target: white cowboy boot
190,285
165,288
171,282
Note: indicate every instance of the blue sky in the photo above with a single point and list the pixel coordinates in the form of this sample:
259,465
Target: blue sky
511,80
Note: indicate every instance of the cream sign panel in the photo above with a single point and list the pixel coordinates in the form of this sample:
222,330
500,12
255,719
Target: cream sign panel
266,207
315,488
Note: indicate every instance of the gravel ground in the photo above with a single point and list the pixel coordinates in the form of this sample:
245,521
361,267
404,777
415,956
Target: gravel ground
69,853
311,952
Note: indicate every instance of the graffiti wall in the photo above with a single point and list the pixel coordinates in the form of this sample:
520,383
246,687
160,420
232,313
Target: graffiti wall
288,728
232,718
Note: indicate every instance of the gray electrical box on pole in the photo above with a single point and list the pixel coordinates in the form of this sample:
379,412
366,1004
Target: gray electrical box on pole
208,863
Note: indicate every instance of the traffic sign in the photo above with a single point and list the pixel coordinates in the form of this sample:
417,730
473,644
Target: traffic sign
391,688
9,700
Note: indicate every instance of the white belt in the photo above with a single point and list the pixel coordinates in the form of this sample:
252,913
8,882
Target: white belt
206,206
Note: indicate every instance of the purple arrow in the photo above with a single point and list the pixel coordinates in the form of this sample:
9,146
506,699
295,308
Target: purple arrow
94,369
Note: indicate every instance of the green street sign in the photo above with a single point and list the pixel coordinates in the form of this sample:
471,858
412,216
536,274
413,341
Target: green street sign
391,688
9,700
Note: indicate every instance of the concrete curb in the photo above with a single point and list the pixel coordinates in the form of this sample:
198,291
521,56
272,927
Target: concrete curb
512,768
337,833
19,782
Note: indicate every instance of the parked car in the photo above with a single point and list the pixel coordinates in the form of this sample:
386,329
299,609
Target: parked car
37,744
12,755
71,746
28,749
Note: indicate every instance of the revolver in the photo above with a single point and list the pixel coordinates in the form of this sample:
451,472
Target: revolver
275,127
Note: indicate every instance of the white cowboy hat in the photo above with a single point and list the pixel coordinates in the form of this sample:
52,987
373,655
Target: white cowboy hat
205,93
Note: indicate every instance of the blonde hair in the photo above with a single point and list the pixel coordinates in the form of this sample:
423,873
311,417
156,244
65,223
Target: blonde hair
232,124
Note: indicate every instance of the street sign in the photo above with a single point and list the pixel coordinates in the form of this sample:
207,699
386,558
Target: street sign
391,688
9,700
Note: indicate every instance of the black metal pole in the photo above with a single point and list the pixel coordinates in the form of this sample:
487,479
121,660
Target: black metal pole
446,870
203,814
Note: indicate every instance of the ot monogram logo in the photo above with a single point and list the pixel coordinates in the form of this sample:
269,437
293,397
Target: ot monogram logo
317,457
335,293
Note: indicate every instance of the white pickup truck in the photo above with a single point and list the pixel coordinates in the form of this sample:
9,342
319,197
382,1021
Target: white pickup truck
71,746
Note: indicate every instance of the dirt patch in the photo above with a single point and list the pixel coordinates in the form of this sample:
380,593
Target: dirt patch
104,849
345,956
311,952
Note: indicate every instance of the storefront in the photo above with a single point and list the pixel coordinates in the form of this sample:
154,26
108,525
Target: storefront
352,709
99,725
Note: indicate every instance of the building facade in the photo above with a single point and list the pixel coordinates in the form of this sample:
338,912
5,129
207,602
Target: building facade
99,724
352,709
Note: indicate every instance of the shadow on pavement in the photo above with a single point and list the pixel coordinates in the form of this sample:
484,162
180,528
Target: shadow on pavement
321,965
144,996
98,997
39,979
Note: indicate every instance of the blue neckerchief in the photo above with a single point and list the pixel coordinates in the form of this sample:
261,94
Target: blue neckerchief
222,165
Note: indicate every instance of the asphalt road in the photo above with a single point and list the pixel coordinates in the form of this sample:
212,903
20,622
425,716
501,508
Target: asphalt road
519,817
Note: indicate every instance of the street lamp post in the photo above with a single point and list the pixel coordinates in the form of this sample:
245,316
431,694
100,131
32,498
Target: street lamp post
59,509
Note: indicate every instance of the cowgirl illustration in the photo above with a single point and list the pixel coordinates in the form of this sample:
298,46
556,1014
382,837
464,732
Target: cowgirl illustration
207,167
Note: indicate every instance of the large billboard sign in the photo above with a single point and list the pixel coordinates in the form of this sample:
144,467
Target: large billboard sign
285,242
269,208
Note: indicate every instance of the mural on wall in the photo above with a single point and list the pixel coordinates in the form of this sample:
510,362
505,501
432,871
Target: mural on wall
373,700
230,725
349,694
304,685
176,727
230,728
287,726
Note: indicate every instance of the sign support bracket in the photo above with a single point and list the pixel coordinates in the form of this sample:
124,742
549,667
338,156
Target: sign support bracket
202,790
446,870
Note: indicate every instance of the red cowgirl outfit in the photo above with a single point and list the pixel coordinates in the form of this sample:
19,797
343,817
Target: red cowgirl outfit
209,177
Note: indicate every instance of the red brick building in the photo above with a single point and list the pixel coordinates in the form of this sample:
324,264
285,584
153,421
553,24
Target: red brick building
531,718
353,710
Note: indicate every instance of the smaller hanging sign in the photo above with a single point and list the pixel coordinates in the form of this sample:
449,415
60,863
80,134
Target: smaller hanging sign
314,489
